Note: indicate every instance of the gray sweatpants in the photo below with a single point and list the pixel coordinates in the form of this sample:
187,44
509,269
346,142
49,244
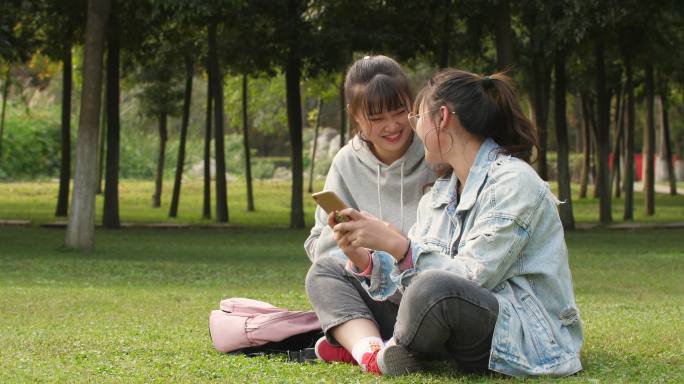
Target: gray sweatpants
440,314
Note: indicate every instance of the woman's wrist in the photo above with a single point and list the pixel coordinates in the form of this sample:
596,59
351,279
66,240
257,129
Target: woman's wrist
401,248
361,258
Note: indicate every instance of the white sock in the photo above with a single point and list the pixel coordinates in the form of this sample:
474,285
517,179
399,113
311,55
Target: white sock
366,345
390,342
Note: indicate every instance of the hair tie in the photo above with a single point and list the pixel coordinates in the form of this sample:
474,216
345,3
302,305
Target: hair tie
487,82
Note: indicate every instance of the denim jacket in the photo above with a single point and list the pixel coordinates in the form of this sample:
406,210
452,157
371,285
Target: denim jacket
505,234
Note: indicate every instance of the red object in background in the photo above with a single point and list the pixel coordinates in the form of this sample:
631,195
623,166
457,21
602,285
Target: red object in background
638,164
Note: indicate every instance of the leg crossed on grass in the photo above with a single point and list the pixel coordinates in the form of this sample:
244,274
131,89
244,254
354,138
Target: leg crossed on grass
440,315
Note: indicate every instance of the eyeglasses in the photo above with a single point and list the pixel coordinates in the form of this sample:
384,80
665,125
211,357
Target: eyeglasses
413,118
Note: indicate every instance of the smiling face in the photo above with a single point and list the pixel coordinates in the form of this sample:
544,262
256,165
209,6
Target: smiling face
388,132
379,97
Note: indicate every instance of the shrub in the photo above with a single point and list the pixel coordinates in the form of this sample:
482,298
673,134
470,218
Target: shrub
30,148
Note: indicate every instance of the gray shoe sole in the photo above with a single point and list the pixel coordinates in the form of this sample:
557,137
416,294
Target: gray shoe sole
396,360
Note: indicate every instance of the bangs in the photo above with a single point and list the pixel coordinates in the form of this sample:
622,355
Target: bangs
382,93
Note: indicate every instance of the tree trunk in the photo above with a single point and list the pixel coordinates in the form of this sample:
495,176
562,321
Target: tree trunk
503,35
617,165
649,145
586,146
163,134
101,149
593,128
666,152
65,164
245,140
294,115
206,206
629,141
343,114
110,216
577,112
619,134
564,191
175,197
319,105
217,87
540,104
5,94
603,136
80,231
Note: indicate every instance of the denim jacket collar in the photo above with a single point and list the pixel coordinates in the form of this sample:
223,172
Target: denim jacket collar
444,190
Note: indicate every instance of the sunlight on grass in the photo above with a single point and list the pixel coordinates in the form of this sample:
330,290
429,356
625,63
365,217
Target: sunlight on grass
36,201
136,309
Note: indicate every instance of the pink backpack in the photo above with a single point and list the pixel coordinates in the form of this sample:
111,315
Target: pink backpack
243,324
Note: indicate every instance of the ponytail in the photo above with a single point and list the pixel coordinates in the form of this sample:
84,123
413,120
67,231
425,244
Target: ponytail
486,107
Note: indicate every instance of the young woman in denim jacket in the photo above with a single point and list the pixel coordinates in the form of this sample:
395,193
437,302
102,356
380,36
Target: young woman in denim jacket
483,275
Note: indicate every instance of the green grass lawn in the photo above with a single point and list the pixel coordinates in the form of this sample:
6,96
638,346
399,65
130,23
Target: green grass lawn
36,201
136,309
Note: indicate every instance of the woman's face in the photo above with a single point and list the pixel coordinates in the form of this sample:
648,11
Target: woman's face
389,132
426,129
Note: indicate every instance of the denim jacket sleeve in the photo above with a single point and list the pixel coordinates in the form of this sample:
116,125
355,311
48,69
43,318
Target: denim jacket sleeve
505,213
379,284
385,279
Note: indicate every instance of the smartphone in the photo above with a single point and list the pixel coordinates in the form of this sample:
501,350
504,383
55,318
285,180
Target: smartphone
330,202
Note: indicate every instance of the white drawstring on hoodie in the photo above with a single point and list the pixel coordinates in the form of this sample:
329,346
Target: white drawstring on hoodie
401,195
377,173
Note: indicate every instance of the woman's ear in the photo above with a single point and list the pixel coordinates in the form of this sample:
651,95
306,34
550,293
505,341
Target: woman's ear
444,117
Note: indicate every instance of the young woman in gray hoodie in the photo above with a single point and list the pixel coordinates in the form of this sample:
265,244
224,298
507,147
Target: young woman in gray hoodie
382,170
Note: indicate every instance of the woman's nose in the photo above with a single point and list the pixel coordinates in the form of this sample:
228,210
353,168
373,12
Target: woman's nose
398,121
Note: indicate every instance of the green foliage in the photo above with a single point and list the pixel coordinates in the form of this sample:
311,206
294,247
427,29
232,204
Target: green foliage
266,104
62,23
18,30
262,168
31,148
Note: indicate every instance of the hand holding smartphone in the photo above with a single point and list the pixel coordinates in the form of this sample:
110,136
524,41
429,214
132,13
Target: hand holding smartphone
330,202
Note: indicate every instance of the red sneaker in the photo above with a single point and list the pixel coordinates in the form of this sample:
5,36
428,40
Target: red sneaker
391,361
369,362
329,353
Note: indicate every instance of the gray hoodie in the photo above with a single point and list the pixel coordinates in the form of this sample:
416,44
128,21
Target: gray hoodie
389,192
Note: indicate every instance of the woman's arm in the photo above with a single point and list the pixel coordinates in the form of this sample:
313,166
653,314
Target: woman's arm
507,213
321,240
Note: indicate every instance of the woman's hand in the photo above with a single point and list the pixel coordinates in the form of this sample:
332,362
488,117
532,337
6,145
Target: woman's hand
367,231
358,255
331,220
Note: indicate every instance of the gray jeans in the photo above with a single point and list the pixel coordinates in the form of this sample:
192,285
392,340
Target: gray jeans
440,314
